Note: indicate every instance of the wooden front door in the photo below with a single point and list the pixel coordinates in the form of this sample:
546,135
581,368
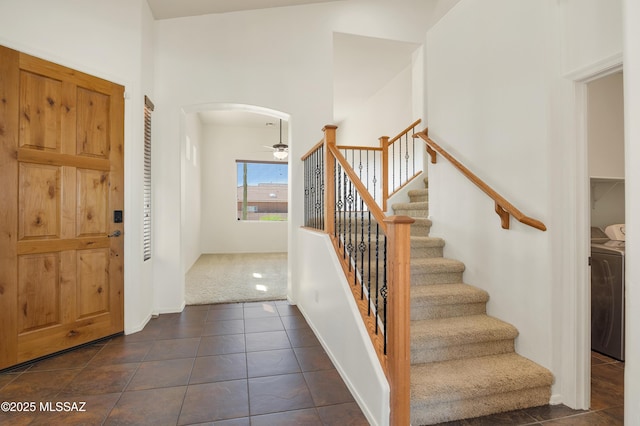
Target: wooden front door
61,179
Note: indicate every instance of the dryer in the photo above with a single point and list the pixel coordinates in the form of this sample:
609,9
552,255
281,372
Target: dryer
607,297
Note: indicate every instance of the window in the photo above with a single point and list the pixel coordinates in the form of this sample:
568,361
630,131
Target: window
262,190
146,196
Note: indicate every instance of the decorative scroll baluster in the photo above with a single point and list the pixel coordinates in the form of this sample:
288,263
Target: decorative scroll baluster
406,157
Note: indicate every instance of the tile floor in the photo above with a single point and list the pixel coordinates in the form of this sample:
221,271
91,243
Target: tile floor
233,364
230,364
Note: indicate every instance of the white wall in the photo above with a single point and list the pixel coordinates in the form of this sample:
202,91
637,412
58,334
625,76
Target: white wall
605,126
386,113
192,186
500,100
632,167
487,87
607,202
111,40
222,232
591,32
328,305
605,138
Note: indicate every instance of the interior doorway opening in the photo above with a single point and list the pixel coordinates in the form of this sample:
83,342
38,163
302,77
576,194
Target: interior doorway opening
604,112
225,259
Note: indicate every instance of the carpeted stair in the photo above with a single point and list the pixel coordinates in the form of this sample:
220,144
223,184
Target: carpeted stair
463,361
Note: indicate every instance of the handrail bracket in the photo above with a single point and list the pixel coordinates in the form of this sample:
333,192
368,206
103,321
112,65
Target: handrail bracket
504,216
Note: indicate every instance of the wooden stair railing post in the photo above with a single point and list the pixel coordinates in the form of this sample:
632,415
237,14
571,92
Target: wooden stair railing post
398,317
330,181
384,144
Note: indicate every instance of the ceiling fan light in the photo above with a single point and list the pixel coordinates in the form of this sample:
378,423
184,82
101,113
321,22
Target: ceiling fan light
280,150
280,153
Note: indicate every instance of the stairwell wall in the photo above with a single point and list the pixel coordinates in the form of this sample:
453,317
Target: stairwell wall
499,99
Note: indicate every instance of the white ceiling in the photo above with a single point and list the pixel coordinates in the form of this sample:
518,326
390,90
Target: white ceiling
167,9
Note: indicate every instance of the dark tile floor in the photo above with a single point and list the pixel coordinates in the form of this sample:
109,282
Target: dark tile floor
607,403
231,364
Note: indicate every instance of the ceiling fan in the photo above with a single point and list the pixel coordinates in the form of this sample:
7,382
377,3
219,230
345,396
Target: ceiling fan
280,150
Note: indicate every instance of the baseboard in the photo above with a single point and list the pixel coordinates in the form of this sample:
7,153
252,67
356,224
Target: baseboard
139,327
170,310
555,399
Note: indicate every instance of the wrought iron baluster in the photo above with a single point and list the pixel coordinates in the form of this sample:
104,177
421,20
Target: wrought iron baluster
362,248
384,294
350,206
413,146
321,174
369,262
377,269
393,166
406,156
374,176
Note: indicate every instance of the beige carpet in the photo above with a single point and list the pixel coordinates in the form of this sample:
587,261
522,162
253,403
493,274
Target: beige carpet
246,277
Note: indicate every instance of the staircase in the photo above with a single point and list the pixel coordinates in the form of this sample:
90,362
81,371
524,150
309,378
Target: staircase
463,362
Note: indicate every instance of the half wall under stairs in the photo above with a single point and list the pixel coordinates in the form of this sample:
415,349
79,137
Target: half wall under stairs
463,361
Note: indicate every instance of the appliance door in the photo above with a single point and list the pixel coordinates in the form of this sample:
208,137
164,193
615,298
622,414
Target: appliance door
607,304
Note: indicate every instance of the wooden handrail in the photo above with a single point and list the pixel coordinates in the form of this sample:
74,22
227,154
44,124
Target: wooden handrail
376,211
502,207
312,150
405,131
363,148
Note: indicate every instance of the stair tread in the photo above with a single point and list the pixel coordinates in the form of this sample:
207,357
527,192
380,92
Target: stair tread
475,377
432,333
443,294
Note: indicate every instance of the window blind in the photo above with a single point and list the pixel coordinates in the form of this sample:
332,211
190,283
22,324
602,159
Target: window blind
146,221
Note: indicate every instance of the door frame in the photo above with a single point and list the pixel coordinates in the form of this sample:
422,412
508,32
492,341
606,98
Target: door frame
580,298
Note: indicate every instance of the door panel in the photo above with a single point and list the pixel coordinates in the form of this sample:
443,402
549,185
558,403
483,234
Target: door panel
93,282
61,164
38,291
92,193
39,201
40,112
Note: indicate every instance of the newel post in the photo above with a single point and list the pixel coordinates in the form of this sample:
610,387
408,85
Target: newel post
398,305
330,181
384,144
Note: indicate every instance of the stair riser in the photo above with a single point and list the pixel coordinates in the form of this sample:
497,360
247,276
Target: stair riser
422,252
418,198
419,354
421,312
500,402
420,277
420,230
412,212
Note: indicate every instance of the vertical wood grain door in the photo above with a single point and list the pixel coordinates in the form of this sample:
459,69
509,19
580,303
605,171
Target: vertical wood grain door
61,178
